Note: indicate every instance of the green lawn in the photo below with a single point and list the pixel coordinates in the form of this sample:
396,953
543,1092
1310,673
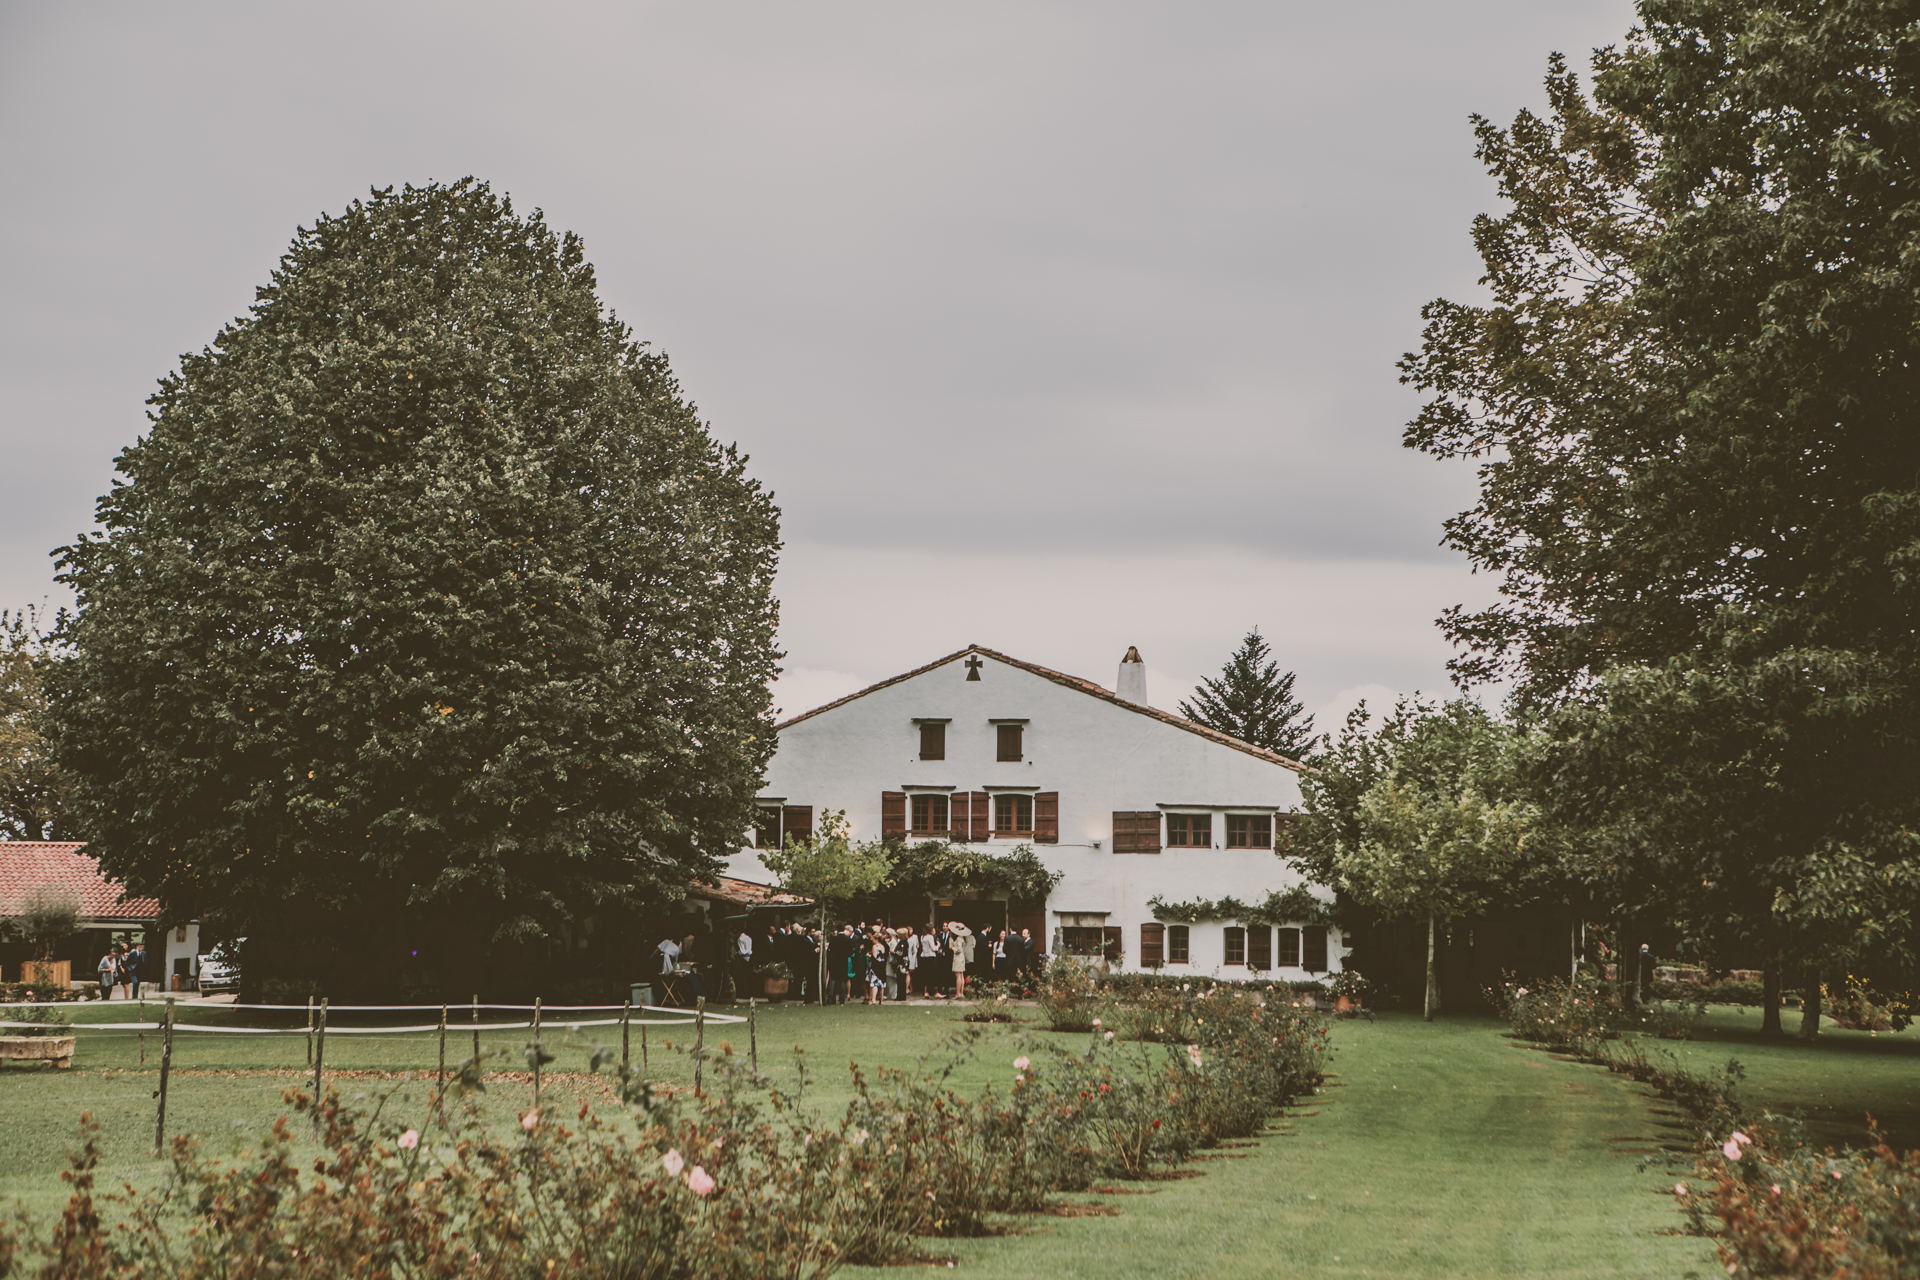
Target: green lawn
1436,1150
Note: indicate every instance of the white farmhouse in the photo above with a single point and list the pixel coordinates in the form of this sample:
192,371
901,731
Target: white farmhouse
1128,802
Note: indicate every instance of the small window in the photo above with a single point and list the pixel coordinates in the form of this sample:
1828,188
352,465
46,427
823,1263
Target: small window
1313,948
1260,947
1009,742
1153,945
1249,831
1012,814
1082,941
1236,945
929,814
1289,948
1189,831
1176,944
933,742
766,828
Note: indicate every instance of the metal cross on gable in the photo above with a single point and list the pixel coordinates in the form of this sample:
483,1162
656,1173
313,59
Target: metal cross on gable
973,665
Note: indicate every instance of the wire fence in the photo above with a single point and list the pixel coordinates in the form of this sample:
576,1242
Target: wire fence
316,1028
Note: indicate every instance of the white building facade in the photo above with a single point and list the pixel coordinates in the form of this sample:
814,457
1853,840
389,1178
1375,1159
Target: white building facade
1125,801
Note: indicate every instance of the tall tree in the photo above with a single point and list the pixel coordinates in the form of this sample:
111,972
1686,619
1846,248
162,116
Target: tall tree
427,616
1423,819
1691,395
1253,700
33,788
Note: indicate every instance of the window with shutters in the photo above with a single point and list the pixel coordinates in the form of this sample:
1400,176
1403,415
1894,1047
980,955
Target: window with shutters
1009,743
796,820
930,815
1249,831
1289,948
1153,945
1313,948
766,827
1176,944
893,814
1189,831
1236,945
1012,814
1080,940
933,741
1136,832
1259,947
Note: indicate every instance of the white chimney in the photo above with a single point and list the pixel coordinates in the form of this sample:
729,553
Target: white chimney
1132,684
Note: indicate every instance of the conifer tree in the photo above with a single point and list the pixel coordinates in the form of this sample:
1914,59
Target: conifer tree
1253,700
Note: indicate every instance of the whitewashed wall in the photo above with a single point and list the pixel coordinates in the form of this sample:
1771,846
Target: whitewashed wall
1101,758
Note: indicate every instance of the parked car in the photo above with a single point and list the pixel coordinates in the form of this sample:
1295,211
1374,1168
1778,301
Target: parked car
220,971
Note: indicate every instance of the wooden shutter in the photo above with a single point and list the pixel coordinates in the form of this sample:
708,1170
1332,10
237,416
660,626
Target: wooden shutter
1313,947
796,820
980,802
1153,951
1046,817
893,814
1259,947
1007,745
1114,943
1135,832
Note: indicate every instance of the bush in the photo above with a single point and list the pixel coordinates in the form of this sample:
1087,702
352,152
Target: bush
1069,997
1724,992
1781,1210
1575,1016
1667,1019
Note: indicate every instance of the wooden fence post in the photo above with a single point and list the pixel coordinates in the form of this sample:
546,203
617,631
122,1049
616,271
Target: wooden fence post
442,1083
753,1036
643,1048
476,1036
319,1060
536,1051
166,1068
626,1018
309,1030
699,1042
141,1018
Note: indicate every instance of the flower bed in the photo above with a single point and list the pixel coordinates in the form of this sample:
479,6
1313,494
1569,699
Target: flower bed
741,1181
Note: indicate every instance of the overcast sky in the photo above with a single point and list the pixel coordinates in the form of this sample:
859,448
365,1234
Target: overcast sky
1056,328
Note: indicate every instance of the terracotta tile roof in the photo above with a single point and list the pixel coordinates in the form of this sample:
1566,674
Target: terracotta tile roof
1080,684
27,864
748,894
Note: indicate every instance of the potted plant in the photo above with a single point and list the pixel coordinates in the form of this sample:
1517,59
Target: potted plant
47,1037
775,978
1349,991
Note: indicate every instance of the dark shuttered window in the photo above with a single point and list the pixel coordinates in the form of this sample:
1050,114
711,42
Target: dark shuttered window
796,820
1313,948
1249,831
1189,831
1259,947
1012,814
1046,818
893,814
933,742
930,815
1236,945
1153,945
1176,944
1289,948
1008,742
1136,832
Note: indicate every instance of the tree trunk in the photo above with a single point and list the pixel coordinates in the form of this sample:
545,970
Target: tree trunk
1770,996
1433,981
1810,1004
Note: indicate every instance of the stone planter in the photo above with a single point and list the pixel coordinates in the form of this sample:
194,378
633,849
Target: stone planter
775,988
55,1049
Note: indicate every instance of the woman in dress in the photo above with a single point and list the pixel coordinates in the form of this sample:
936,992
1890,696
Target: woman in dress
960,939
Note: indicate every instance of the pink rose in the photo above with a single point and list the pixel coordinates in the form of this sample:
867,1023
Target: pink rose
672,1163
1109,1037
1741,1138
1730,1149
529,1120
410,1139
1679,1188
1021,1064
698,1181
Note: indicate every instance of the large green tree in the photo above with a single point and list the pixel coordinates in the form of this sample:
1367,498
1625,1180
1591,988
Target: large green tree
427,616
1691,393
1253,700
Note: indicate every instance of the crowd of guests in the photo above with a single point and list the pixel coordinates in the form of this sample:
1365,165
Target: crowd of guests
866,961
